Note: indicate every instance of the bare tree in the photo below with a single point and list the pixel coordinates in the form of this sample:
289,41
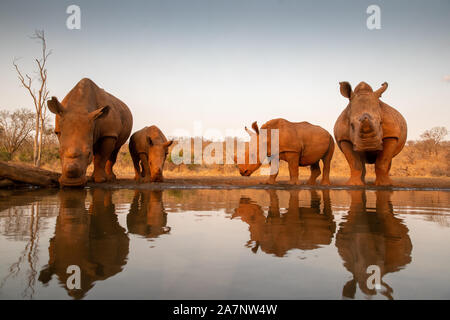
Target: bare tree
434,137
15,128
38,95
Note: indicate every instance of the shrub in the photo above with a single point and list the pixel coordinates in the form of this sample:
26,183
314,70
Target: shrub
5,156
25,156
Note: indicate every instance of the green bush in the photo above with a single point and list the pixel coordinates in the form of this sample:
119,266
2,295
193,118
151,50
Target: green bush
25,157
5,156
50,155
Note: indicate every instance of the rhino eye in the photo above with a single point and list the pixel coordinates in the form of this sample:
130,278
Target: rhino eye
353,126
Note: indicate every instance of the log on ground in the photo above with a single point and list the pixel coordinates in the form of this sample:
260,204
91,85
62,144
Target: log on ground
27,174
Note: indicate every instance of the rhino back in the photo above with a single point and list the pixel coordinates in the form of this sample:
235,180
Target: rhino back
86,96
299,136
155,134
139,139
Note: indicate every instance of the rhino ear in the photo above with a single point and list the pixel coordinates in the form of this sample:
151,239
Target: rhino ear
103,111
346,89
168,144
149,141
380,91
255,127
54,106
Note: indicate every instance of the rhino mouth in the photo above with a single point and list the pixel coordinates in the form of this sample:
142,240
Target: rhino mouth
368,142
72,182
364,146
246,173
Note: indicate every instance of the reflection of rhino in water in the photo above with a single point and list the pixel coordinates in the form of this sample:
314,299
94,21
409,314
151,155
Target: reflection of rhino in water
372,237
147,216
93,241
304,228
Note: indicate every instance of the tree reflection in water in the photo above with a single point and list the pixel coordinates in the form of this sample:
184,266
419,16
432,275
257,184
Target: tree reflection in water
21,221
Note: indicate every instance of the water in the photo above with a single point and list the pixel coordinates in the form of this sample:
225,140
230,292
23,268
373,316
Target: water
225,244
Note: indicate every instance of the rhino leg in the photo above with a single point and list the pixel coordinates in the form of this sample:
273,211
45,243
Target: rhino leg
315,172
103,154
110,176
363,174
326,160
383,162
137,168
293,160
355,163
272,178
145,167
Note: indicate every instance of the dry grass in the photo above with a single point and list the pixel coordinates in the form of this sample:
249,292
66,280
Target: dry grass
414,161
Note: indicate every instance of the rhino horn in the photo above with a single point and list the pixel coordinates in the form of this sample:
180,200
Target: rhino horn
366,126
251,133
380,91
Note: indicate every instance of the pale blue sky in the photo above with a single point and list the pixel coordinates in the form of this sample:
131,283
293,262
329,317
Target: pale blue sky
228,63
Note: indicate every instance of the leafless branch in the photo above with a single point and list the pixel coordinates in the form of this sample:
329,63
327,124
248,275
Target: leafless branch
40,95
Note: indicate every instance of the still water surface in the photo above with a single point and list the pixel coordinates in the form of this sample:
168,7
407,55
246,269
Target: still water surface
224,244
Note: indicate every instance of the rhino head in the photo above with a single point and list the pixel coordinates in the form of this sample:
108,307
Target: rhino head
157,153
75,131
251,161
364,116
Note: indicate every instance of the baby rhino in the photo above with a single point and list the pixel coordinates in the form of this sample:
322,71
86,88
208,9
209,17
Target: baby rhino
300,144
148,149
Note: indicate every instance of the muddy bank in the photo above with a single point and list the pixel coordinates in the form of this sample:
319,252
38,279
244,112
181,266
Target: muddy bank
282,183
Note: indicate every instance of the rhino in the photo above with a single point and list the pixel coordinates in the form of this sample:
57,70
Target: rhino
304,228
147,216
300,144
369,131
148,149
91,124
91,239
372,236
